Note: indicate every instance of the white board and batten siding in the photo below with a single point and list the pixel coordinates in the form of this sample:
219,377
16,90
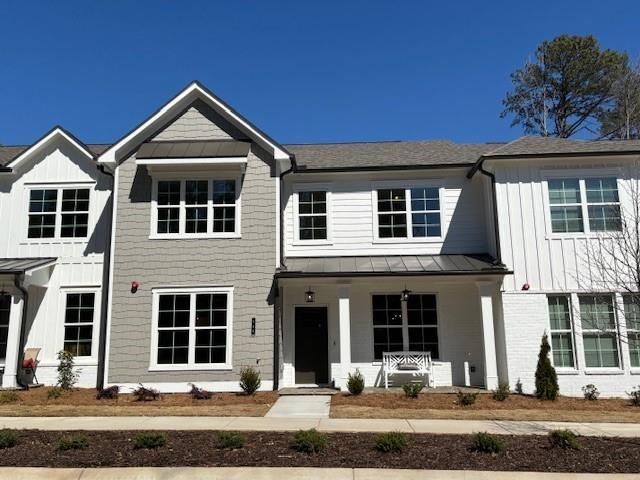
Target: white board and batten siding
79,265
352,215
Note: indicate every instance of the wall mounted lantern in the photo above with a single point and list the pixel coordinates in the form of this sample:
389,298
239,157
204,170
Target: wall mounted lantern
309,296
404,295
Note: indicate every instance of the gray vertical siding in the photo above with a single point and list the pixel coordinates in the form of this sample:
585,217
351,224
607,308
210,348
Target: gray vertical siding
246,263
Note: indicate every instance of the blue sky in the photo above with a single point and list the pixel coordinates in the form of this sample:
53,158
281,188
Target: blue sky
302,71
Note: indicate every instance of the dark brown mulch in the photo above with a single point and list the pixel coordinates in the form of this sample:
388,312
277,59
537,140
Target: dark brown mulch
453,452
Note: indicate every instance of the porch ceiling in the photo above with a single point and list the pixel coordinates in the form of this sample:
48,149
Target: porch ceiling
24,265
391,265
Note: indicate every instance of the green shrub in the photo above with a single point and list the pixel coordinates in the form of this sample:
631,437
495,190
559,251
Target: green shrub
67,377
54,392
634,396
486,443
149,440
231,440
309,441
8,439
501,393
76,442
250,380
9,396
355,383
590,392
391,442
565,439
412,390
467,398
546,377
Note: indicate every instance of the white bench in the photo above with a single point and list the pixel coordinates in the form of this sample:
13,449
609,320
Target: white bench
414,363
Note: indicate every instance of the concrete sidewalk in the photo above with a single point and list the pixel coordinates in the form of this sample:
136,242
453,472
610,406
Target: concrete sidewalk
293,473
323,424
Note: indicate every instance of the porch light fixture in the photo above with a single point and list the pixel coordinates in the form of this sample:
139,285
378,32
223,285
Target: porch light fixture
404,295
309,296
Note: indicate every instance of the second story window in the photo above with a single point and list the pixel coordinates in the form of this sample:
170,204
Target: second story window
196,208
58,213
409,213
571,200
312,213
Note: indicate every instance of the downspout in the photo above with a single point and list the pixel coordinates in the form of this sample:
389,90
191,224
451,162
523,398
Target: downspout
17,281
494,201
102,345
277,305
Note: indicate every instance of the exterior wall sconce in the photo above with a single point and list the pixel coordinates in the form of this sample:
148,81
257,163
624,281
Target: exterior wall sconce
309,296
526,287
404,295
134,286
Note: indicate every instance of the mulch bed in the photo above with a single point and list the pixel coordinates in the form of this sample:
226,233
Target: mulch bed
452,452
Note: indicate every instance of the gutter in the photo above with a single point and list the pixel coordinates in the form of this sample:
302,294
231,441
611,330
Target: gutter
17,281
102,346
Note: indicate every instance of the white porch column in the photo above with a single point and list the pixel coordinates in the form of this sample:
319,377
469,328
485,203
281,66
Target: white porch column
344,320
485,290
9,378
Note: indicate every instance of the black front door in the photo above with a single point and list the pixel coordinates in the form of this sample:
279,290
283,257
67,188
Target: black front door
5,310
312,355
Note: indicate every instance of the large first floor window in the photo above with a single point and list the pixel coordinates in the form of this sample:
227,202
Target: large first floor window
561,331
632,317
191,327
5,310
599,331
78,323
409,327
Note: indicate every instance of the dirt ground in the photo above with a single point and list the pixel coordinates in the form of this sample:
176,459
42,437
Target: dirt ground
454,452
516,407
82,402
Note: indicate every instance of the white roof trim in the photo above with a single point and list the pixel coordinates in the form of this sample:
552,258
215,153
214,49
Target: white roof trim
109,156
193,161
43,141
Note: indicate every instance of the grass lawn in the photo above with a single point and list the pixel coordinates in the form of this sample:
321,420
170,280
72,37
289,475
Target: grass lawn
516,407
82,402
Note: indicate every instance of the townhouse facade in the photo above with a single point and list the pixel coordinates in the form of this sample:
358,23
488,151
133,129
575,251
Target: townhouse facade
197,245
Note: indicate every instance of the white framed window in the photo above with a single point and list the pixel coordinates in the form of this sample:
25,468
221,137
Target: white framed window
195,208
583,205
408,213
312,214
631,304
192,328
561,329
404,326
79,317
58,212
599,331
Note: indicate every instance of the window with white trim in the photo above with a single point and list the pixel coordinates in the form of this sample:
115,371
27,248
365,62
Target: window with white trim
409,213
632,318
192,328
78,323
58,213
197,208
561,331
571,200
312,215
599,331
401,327
5,310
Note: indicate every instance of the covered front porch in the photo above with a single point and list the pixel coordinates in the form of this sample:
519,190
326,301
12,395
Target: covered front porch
336,320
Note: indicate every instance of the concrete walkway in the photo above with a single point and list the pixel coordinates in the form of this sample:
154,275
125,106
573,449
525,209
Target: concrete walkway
323,424
293,473
316,406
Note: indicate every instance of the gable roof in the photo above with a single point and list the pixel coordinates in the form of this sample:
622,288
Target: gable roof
192,92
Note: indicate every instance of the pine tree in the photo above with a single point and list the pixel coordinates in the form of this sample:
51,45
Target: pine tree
546,377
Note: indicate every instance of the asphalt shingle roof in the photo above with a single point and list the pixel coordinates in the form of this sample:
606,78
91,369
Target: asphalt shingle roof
552,145
9,152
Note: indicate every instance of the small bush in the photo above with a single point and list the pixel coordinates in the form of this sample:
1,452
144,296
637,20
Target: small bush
412,390
391,442
67,377
9,396
501,393
149,440
565,439
466,398
590,392
199,393
546,377
486,443
8,439
144,394
519,388
309,441
54,392
355,383
77,442
250,380
634,396
109,393
231,440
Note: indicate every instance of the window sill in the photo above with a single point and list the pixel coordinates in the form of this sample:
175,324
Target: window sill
635,371
56,241
302,243
189,367
568,371
581,236
604,371
408,240
194,237
77,361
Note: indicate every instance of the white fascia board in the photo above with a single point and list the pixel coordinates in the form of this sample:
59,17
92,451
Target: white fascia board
109,156
43,141
192,161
